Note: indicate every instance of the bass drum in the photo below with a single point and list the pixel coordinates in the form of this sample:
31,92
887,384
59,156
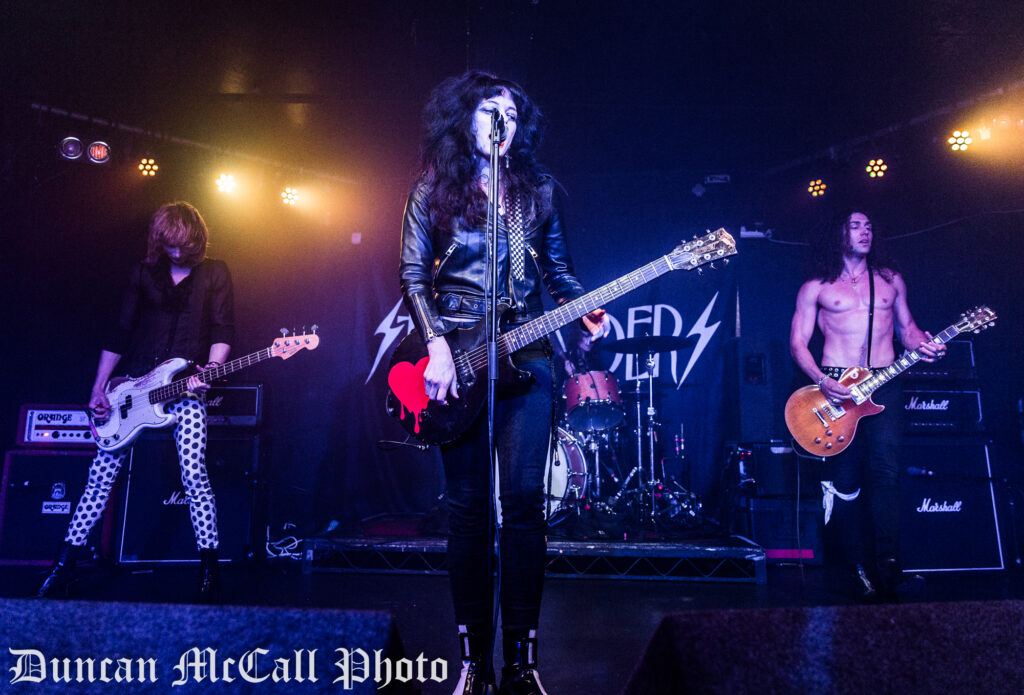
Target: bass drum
565,476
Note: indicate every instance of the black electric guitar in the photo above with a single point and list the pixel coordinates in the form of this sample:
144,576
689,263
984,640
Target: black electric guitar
137,404
433,422
823,428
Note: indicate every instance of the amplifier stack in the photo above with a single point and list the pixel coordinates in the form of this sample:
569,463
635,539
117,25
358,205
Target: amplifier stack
948,515
147,519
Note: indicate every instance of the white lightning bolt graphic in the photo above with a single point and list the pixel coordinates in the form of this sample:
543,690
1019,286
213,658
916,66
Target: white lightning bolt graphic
705,332
392,328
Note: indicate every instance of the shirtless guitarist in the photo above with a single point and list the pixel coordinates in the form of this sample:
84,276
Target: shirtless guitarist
858,300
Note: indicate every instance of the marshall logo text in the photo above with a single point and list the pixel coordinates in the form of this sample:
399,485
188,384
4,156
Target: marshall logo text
928,506
917,404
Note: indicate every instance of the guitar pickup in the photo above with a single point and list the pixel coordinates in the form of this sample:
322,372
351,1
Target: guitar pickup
463,369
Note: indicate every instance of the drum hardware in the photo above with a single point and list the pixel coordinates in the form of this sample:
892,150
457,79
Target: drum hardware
652,499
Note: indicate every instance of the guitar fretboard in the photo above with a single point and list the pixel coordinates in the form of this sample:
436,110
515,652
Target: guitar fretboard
581,306
176,388
900,365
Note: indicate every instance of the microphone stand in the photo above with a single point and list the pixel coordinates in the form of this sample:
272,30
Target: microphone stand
491,328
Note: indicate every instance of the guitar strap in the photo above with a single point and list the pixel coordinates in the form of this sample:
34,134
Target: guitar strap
871,311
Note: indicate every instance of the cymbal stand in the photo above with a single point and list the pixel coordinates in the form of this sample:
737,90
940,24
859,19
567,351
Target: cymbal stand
591,436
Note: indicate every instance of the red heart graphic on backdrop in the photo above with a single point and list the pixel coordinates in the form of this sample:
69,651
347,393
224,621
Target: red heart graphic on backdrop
406,382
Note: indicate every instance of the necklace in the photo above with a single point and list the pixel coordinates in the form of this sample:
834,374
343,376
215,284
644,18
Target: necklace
853,278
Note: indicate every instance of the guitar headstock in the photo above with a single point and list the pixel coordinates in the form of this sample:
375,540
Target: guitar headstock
287,345
713,246
975,320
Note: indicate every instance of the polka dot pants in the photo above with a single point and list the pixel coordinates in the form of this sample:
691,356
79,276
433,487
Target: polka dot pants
190,438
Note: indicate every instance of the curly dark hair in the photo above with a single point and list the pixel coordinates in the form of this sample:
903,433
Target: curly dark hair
827,257
449,155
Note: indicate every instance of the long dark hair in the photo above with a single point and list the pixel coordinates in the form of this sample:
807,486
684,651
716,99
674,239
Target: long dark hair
828,249
449,151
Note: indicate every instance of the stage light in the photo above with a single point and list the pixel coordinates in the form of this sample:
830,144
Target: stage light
816,188
876,168
960,140
289,196
99,152
148,166
226,183
71,148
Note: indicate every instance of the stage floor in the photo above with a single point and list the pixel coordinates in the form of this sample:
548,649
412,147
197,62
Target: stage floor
593,630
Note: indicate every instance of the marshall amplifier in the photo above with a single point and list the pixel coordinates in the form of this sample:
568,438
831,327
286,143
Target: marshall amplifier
936,410
958,364
64,426
40,491
155,526
239,405
948,516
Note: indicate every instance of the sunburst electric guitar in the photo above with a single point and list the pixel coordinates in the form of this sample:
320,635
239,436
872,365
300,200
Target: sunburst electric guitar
433,422
824,428
138,404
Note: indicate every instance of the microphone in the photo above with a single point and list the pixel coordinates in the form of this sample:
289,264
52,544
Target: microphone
922,472
498,126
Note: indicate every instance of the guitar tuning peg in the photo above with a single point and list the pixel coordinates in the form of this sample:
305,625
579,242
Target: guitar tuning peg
284,332
713,267
700,271
725,261
314,328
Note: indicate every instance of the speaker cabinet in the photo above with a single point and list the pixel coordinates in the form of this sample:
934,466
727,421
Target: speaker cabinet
40,491
155,526
948,517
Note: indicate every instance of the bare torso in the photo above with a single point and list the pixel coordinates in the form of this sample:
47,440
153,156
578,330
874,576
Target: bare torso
843,309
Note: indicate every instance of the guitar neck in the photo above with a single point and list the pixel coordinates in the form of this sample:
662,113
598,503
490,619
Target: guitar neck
902,364
581,306
176,388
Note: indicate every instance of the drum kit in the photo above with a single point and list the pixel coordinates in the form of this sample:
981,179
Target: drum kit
583,472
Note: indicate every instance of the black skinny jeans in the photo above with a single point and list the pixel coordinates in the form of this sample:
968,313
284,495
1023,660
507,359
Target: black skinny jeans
522,429
869,525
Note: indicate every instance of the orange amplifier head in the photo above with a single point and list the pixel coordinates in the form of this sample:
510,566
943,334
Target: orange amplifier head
57,426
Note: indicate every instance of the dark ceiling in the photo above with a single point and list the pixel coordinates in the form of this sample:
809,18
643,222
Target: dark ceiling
338,86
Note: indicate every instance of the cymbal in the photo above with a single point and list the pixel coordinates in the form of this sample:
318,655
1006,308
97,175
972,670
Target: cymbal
642,344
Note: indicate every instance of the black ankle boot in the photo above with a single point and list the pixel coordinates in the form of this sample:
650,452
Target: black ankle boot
895,584
476,677
519,674
209,577
62,574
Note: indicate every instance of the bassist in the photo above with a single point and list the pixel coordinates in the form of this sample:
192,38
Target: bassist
179,303
858,300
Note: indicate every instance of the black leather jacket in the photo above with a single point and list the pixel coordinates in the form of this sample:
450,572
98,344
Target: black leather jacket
443,273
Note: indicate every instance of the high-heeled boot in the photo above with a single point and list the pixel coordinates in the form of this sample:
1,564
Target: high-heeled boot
475,677
209,577
62,573
519,674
